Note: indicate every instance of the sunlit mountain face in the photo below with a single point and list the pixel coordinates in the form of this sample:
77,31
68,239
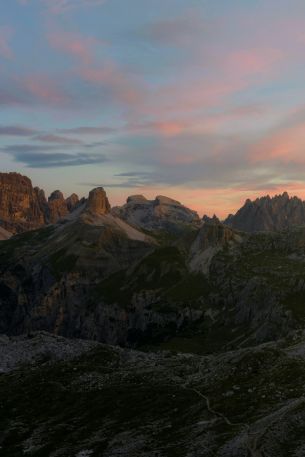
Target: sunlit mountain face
201,101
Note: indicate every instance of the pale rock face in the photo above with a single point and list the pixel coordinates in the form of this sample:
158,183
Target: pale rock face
98,202
137,199
212,237
161,213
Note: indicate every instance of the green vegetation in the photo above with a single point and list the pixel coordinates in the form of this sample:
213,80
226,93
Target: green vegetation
169,254
159,270
114,289
192,287
295,302
62,262
24,242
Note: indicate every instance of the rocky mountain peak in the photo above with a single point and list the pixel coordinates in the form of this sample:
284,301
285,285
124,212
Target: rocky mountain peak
98,202
19,203
162,200
72,202
211,238
57,206
160,213
56,195
137,198
211,220
269,214
285,195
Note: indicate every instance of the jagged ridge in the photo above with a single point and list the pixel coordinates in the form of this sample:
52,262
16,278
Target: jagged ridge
269,214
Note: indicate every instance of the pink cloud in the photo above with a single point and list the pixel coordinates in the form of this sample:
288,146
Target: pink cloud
198,124
235,73
117,84
74,44
44,89
250,62
284,144
166,128
123,88
5,36
185,97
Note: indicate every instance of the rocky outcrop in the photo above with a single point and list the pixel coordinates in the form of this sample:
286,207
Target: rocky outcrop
163,213
42,202
269,214
57,207
98,202
4,234
210,220
20,206
211,238
72,202
24,208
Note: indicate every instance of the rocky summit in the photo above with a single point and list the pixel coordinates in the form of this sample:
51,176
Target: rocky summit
142,330
98,202
21,206
24,208
162,213
269,214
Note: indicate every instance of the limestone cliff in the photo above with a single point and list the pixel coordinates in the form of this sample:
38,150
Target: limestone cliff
162,213
20,207
72,202
24,208
98,202
57,207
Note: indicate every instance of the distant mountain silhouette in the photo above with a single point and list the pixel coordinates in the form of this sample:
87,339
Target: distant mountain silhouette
268,214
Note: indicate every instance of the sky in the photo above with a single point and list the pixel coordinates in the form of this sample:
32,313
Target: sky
199,100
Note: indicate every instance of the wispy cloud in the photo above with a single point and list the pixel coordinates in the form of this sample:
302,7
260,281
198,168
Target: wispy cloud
63,6
34,156
120,86
51,138
285,143
6,34
45,89
84,130
16,130
74,44
58,160
176,31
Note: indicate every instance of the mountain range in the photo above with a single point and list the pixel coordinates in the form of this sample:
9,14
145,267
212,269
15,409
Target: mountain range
24,207
268,214
144,330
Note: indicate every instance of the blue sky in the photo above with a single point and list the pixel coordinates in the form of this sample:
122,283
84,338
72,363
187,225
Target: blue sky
199,100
